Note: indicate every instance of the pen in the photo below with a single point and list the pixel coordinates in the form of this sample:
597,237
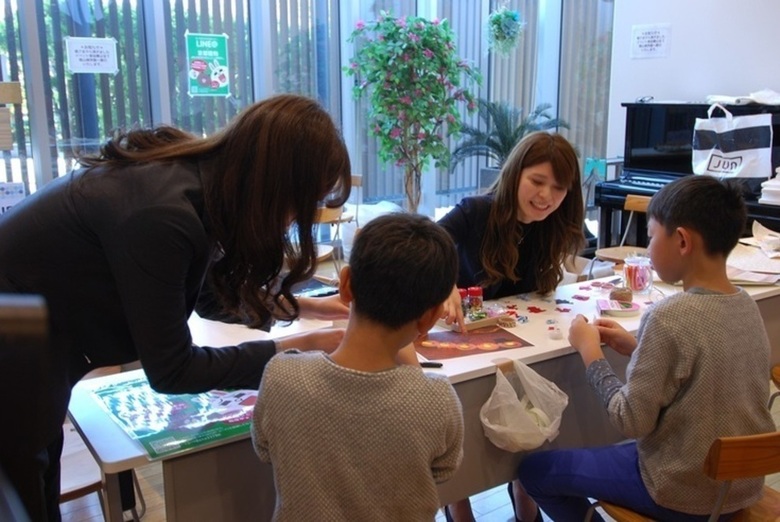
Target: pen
431,364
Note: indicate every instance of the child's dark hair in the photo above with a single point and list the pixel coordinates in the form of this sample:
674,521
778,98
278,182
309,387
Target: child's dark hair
714,209
401,265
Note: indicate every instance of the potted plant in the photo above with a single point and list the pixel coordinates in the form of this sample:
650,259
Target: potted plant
409,70
501,128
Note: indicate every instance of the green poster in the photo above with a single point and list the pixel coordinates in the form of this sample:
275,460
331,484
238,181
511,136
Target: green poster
207,56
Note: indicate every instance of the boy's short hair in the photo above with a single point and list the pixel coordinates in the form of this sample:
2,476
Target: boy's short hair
401,266
712,208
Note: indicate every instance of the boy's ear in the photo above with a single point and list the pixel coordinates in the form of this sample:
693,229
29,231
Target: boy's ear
685,240
429,318
345,285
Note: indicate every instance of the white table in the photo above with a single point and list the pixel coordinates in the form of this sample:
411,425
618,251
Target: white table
228,482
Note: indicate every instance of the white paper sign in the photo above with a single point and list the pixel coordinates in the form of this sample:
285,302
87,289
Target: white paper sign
91,55
10,195
650,41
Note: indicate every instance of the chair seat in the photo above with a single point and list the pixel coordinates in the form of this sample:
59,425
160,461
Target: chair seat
766,509
619,254
621,514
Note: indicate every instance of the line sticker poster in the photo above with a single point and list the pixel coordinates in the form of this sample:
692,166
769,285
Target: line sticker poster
169,424
207,59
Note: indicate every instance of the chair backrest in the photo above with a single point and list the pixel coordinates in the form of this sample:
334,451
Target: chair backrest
633,204
743,457
326,215
747,456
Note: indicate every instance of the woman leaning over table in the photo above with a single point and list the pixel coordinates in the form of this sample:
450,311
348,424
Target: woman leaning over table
119,249
514,239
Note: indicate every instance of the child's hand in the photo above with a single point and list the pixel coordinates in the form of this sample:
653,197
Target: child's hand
584,338
453,310
616,337
330,308
325,339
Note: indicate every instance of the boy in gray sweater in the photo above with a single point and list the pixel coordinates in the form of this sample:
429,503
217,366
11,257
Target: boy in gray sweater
698,371
363,433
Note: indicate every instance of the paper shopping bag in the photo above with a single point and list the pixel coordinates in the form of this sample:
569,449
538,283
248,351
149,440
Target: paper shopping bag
731,146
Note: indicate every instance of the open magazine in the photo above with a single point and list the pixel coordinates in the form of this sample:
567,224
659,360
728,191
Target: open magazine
166,425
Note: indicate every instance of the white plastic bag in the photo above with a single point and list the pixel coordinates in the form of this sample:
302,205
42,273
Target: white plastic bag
524,410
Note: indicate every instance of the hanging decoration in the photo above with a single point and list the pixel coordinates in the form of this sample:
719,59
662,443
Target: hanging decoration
504,29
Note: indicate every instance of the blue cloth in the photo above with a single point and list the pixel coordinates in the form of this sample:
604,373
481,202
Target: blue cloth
561,481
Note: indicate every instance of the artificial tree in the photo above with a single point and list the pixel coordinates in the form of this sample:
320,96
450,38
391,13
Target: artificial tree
410,71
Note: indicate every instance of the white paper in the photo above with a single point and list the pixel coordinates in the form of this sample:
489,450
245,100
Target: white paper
752,259
91,55
650,41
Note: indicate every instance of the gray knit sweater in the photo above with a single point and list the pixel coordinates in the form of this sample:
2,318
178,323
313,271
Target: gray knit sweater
351,445
700,371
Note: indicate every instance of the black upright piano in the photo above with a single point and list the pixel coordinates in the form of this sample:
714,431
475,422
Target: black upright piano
658,151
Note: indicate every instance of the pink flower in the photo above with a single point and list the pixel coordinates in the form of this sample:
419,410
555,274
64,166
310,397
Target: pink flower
401,22
377,129
413,37
436,21
360,25
353,65
428,53
407,100
402,116
405,57
420,135
450,118
395,133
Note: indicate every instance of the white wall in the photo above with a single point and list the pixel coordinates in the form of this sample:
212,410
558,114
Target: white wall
715,47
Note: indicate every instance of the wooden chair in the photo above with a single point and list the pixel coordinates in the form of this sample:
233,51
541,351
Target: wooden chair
618,254
729,458
335,217
80,474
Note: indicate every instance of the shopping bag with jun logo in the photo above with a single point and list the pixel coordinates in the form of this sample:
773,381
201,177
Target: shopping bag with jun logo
734,147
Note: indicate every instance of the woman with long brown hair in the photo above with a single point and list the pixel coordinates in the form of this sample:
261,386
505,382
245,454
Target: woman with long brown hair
120,249
515,238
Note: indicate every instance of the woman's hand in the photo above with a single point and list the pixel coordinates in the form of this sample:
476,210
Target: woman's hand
325,339
585,338
616,337
453,310
330,308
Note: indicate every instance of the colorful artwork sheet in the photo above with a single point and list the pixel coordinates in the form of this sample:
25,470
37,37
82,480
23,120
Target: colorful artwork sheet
169,424
450,344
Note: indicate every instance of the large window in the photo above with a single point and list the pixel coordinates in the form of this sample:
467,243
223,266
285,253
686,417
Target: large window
208,62
562,59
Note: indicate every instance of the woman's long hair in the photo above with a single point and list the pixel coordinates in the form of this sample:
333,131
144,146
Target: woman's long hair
561,232
272,165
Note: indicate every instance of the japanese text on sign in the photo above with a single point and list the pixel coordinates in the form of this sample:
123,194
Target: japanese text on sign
650,41
91,55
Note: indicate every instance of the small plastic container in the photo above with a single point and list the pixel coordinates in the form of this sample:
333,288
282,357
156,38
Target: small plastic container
475,299
464,300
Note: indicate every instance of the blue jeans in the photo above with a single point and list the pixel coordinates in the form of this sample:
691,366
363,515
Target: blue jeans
561,481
